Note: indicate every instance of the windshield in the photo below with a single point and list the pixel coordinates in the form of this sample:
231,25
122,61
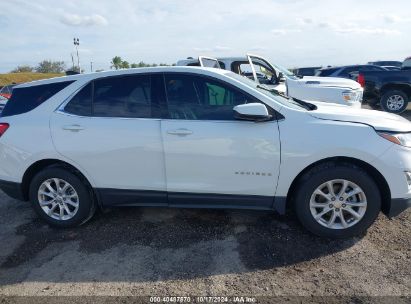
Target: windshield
285,72
267,91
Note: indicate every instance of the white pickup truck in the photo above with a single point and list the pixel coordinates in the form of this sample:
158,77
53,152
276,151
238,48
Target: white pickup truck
324,89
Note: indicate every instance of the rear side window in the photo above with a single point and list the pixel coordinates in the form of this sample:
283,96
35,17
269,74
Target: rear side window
80,104
126,96
24,100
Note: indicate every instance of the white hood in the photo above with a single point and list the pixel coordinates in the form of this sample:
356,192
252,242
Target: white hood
381,121
330,82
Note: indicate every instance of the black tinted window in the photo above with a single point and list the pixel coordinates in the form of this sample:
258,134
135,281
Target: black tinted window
124,96
26,99
193,97
326,72
80,104
346,72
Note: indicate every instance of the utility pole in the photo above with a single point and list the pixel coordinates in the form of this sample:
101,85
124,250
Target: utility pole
72,60
76,42
91,66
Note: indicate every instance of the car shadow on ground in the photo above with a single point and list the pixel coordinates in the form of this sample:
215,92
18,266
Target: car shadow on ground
149,244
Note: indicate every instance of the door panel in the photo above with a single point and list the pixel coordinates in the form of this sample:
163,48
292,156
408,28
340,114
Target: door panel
230,157
116,153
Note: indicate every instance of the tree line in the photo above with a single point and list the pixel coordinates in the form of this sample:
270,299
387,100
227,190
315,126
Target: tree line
118,63
58,67
45,66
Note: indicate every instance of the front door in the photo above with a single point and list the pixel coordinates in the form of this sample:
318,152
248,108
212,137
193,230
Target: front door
211,159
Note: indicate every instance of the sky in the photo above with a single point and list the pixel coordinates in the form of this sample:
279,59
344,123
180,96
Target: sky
292,33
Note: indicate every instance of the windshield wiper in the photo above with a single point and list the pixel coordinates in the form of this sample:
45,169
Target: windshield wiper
302,103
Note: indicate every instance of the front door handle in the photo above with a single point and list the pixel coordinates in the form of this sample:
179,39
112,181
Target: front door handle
181,132
73,128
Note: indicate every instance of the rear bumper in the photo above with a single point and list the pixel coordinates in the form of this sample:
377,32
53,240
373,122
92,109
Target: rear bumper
12,189
398,205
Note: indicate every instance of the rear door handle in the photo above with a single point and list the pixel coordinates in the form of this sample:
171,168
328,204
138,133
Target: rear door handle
73,128
181,132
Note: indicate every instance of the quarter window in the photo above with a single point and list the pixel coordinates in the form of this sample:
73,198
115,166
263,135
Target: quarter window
199,98
26,99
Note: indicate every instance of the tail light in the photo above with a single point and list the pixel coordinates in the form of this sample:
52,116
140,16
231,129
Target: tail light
361,80
3,128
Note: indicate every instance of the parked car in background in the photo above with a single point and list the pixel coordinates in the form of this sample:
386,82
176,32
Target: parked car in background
308,71
386,63
3,101
348,71
7,90
331,90
391,68
391,89
200,138
406,65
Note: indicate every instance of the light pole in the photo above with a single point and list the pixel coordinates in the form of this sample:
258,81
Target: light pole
76,42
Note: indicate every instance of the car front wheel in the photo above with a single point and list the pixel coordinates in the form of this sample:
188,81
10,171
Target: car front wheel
337,200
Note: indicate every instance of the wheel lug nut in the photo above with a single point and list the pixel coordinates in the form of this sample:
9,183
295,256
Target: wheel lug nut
330,205
333,198
344,205
337,209
341,199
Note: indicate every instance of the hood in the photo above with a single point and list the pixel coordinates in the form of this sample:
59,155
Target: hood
330,82
380,121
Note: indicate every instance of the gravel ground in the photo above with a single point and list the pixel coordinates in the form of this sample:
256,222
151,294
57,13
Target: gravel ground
165,252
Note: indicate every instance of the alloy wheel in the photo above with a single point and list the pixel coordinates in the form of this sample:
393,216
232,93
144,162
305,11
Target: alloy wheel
58,199
395,102
338,204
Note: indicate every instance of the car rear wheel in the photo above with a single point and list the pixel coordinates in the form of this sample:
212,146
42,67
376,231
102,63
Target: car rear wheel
394,101
337,200
61,198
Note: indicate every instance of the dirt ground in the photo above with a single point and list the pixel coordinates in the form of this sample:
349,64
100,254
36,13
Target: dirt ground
178,252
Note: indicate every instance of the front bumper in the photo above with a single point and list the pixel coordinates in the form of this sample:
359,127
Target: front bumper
398,205
12,189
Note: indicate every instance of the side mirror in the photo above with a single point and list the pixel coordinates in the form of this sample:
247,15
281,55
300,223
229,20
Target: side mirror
252,111
281,77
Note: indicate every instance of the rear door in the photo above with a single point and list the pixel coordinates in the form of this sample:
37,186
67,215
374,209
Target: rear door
111,129
211,159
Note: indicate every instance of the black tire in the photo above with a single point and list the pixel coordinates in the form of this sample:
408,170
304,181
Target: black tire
385,101
330,171
86,207
374,106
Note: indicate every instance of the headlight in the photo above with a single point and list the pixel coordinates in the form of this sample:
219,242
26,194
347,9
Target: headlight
351,96
402,139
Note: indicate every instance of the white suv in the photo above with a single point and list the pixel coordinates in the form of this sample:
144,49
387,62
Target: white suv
197,137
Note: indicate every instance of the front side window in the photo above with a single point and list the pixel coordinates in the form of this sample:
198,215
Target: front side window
201,98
